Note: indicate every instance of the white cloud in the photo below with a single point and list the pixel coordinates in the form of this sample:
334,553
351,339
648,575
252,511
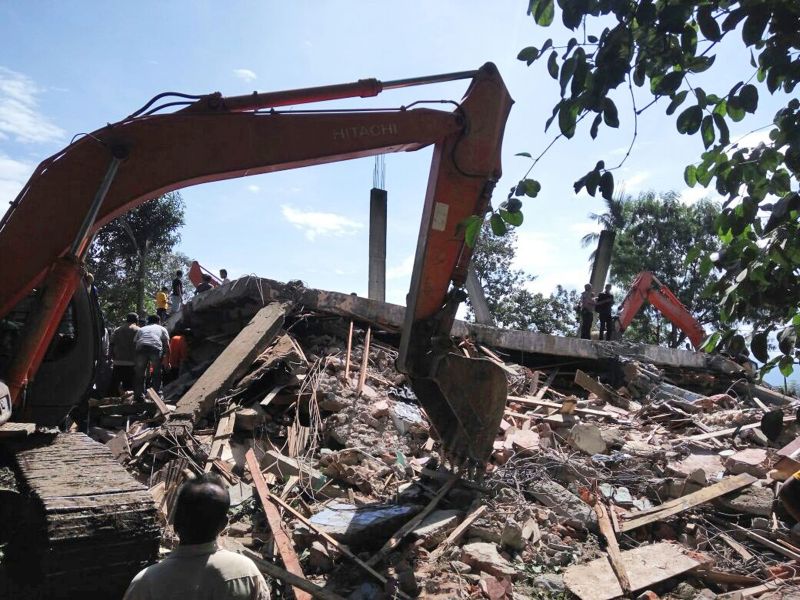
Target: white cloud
401,270
253,188
315,224
695,194
245,74
19,117
13,175
635,181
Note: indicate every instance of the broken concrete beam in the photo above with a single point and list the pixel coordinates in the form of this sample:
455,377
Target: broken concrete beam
435,527
364,526
232,364
645,566
563,502
755,501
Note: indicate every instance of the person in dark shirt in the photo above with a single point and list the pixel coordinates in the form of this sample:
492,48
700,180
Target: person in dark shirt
605,300
205,285
176,298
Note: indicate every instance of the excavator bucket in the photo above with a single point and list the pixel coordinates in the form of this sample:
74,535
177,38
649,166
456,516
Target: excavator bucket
464,399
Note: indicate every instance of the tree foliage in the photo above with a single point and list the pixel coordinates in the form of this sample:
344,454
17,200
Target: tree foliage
132,257
511,303
659,233
659,46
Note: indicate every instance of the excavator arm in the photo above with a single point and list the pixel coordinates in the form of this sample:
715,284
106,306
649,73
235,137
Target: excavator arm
48,228
647,288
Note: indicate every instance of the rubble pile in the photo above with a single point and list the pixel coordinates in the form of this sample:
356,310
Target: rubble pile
620,477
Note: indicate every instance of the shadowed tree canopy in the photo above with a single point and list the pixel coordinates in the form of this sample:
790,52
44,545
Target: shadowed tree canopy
647,55
132,257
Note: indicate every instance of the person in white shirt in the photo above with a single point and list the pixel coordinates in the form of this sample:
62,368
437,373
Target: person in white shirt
198,569
152,343
223,275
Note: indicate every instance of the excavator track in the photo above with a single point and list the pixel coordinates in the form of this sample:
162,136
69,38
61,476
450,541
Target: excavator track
81,525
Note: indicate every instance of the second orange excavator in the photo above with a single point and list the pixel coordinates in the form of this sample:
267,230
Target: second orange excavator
648,288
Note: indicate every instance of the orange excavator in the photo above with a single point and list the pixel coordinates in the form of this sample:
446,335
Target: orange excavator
47,231
647,288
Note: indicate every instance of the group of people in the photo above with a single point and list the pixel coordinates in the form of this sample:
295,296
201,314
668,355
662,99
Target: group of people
600,304
168,303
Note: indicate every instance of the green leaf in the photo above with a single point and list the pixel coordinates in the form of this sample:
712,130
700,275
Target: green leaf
786,366
708,24
754,25
567,70
472,227
525,154
758,346
552,64
544,13
497,224
735,109
692,255
749,98
529,187
724,133
512,218
567,117
690,175
787,339
707,130
669,84
610,114
528,54
595,126
689,120
607,185
677,100
711,342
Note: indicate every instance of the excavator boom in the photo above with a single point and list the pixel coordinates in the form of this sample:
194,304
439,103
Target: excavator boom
647,288
215,138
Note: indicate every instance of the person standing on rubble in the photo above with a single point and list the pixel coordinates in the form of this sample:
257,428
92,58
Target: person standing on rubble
605,300
176,299
152,342
223,275
205,285
161,303
123,355
587,311
198,567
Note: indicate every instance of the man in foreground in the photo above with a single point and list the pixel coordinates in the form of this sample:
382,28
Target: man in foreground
198,569
587,311
123,355
605,300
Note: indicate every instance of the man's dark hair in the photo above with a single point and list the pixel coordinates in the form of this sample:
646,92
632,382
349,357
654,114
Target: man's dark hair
152,319
201,509
178,273
132,317
223,272
206,277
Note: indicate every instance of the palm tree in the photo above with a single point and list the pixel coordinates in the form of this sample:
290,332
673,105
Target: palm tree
612,220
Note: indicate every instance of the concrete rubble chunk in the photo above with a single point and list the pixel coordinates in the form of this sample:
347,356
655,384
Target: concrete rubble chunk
755,461
512,535
406,417
563,502
435,527
752,500
699,467
587,438
483,556
363,526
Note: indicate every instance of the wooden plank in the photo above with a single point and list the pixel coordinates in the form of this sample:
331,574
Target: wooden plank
645,566
458,532
743,552
541,392
156,399
723,432
233,363
221,439
349,351
752,535
344,550
590,384
362,376
271,395
559,406
757,590
282,541
401,533
674,507
497,360
612,549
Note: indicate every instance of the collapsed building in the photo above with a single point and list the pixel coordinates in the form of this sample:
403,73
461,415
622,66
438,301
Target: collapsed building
618,468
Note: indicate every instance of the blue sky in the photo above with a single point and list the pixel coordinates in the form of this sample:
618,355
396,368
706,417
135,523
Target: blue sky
70,67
